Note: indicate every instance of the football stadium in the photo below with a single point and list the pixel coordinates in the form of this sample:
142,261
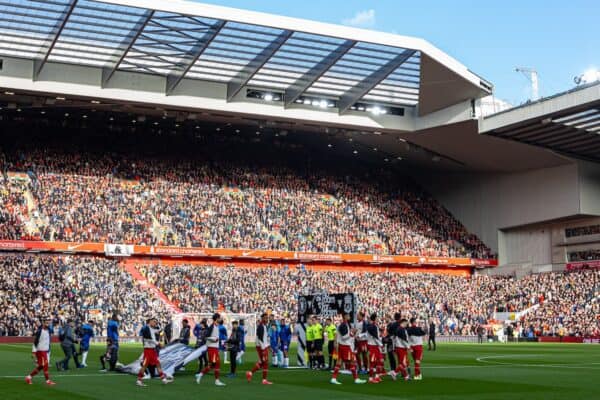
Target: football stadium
199,200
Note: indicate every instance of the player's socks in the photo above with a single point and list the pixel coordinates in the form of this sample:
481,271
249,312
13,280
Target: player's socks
392,374
199,377
286,361
249,376
84,358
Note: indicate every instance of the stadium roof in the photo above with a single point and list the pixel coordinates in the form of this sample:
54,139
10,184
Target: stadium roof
184,40
568,123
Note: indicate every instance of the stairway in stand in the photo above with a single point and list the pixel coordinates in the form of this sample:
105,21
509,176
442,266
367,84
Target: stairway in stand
129,266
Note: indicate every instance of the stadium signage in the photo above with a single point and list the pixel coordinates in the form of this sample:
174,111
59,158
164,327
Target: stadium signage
583,264
266,255
326,305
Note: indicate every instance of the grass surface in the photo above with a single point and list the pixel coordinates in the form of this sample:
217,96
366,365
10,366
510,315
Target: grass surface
454,371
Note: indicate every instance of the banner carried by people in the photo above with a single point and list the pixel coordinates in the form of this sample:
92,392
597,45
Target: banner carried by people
172,358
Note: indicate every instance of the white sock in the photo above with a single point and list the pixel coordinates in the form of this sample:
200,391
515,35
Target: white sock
84,358
225,356
238,358
287,361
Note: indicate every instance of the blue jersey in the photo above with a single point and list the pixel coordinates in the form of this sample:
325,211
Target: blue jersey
197,330
222,337
112,330
274,338
285,334
87,333
242,329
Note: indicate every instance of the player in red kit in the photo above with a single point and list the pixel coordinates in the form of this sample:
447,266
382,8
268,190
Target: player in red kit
212,343
401,346
262,348
345,351
41,343
374,345
362,359
415,338
150,341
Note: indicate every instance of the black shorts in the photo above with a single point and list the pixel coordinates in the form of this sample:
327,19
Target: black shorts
318,343
310,346
330,346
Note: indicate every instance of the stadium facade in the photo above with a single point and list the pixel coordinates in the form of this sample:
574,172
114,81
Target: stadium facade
518,179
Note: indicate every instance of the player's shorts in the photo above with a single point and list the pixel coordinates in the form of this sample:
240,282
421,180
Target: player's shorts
318,345
263,354
330,346
402,354
375,354
151,357
285,346
345,353
84,347
361,346
417,352
213,355
41,358
310,347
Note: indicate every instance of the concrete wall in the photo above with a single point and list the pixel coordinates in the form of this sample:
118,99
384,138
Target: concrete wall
523,215
486,203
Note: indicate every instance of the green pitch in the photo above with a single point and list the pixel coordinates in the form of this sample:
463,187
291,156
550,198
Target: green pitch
458,371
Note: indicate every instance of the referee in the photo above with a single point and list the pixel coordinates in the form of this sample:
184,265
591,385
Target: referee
318,344
310,339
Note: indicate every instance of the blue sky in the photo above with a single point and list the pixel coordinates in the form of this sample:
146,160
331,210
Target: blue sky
560,39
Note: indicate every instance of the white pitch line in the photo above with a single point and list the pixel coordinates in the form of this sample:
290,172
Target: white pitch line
508,364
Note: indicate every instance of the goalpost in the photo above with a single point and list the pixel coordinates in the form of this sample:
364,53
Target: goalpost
195,318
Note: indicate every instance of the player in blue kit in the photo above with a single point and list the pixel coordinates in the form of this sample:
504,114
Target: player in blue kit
274,342
87,333
285,338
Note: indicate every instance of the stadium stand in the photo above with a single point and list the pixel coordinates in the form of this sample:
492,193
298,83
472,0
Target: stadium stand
81,287
229,203
63,287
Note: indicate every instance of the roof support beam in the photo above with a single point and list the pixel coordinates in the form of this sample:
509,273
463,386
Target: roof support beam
246,73
39,63
582,144
368,83
194,54
544,134
317,71
108,72
576,136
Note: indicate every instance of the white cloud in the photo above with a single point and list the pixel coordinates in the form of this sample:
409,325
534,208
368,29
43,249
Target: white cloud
362,19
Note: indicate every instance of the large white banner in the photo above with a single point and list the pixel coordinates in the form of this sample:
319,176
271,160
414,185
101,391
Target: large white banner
118,250
172,358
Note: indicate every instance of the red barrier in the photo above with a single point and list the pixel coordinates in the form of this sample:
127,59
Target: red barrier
22,339
241,254
570,339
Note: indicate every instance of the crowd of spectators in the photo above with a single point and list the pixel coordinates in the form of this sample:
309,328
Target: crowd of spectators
587,255
13,209
459,305
583,231
141,200
34,287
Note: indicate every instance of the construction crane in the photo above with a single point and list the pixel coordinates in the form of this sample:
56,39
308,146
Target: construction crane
532,75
